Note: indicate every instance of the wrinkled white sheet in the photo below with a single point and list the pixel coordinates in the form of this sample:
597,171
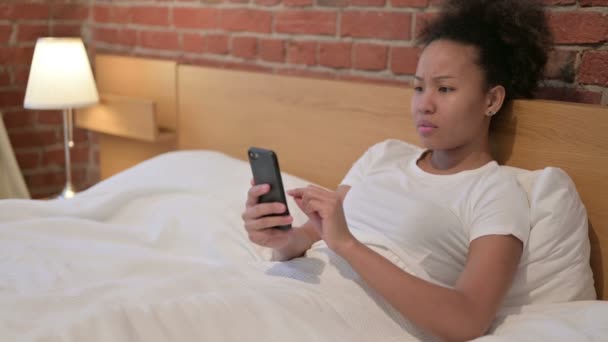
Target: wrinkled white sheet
158,253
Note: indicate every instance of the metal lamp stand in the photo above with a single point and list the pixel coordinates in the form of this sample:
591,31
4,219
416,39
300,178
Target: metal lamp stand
68,143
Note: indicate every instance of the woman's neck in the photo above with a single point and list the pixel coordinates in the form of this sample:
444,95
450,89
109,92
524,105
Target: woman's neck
445,162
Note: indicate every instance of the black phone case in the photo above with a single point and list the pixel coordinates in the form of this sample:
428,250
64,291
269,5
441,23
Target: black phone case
265,168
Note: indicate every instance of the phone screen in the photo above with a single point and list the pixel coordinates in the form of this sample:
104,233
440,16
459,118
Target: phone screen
265,168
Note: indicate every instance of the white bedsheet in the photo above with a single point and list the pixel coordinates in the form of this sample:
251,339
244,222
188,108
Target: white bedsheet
158,253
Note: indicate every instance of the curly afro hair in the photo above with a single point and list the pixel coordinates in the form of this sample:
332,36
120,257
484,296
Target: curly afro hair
512,37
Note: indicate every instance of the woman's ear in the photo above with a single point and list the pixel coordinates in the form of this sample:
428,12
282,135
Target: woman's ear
495,100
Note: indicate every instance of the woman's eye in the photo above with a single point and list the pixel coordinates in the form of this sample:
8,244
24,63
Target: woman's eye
418,89
446,89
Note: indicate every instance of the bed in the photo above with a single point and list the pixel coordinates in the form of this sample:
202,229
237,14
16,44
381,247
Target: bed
157,252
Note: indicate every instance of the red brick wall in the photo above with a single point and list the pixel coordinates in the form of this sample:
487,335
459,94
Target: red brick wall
37,136
340,39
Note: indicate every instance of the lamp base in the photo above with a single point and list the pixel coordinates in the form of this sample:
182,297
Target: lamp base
68,191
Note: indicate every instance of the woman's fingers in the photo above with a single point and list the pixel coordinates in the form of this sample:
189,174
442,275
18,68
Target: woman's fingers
303,196
263,209
267,222
255,192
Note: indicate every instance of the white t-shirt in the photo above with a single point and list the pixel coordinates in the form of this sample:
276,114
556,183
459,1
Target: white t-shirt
433,218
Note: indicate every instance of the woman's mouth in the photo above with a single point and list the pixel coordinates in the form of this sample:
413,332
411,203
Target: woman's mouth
426,128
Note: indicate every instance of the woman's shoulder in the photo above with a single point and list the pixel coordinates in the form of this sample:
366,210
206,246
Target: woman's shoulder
498,179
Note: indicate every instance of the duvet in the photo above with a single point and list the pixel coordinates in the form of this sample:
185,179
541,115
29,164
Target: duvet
158,253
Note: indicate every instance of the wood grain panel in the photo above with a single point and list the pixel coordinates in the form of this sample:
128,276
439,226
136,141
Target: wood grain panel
141,78
121,116
119,153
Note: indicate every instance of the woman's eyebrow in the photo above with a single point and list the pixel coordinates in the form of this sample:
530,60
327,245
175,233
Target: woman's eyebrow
443,77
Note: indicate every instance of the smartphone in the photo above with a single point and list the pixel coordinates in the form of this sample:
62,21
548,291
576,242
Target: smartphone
265,168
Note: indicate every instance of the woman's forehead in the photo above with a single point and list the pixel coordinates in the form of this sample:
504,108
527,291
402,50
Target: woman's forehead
445,59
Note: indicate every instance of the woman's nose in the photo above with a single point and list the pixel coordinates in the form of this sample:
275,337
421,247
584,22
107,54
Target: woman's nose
425,102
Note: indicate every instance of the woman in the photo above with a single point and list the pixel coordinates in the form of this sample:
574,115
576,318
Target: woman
449,204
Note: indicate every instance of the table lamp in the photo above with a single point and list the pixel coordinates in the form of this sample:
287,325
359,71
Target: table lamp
61,78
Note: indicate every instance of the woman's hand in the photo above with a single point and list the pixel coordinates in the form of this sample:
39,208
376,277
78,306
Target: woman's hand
259,226
324,209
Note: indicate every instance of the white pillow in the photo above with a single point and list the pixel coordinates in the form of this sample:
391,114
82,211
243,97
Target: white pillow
555,264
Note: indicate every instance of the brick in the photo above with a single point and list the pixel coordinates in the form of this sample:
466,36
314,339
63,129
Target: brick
201,18
21,73
43,194
45,178
297,3
16,55
376,3
376,24
111,14
101,13
404,60
27,159
569,95
370,56
31,32
11,98
587,3
302,52
594,68
80,135
560,65
56,156
69,11
306,22
245,47
579,27
127,37
410,3
33,138
272,50
267,2
50,117
248,20
149,15
5,10
193,42
19,119
333,3
25,11
162,40
335,55
5,78
22,55
66,30
559,2
217,44
5,33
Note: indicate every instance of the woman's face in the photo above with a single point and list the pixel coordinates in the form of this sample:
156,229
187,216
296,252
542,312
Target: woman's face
450,100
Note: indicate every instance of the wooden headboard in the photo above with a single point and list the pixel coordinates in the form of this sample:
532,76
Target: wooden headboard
320,127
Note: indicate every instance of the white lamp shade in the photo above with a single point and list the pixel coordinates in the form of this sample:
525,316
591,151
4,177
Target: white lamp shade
60,76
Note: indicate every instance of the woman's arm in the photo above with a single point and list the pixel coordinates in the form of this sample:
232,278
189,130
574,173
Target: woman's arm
453,314
299,242
459,314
